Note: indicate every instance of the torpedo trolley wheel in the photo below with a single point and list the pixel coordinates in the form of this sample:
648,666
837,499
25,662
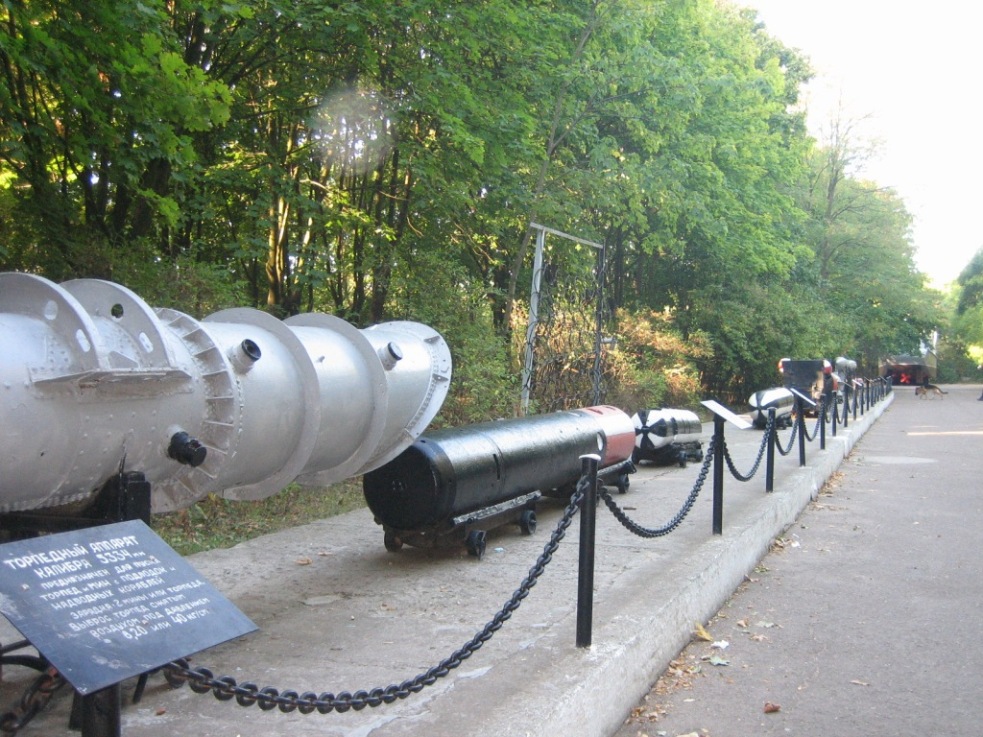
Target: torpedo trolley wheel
475,543
392,541
527,522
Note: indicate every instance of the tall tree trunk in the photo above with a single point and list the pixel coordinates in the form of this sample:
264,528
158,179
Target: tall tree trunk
553,141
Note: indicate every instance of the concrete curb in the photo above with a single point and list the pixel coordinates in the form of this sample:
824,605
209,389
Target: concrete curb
635,644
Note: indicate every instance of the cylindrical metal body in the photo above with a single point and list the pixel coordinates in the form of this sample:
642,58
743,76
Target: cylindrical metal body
659,428
451,472
94,381
778,398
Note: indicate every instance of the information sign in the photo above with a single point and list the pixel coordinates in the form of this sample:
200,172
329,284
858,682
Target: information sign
806,376
107,603
807,401
721,411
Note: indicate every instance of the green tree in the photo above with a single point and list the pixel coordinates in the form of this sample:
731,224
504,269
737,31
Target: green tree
860,236
99,108
967,321
380,159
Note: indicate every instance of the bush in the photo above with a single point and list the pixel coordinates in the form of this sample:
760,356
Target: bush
652,366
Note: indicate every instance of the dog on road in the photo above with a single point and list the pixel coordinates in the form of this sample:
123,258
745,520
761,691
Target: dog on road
929,391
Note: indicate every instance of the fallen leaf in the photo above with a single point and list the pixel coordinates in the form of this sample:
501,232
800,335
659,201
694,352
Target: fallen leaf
771,708
742,623
702,634
717,660
859,683
303,561
160,711
765,625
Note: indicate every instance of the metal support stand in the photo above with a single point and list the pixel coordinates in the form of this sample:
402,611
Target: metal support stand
101,713
585,579
123,498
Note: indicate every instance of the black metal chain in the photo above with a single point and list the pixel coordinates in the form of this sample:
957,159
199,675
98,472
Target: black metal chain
225,688
34,699
820,418
757,461
791,440
680,515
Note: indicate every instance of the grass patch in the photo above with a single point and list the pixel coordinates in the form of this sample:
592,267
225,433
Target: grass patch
215,522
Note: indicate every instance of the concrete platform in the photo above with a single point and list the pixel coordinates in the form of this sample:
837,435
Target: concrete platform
337,612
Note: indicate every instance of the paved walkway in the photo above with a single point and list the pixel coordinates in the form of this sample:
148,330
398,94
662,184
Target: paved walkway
337,612
866,618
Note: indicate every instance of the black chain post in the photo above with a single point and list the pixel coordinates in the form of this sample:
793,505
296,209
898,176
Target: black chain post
585,575
718,475
770,460
801,421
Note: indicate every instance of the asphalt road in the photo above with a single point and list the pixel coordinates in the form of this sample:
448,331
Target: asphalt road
864,619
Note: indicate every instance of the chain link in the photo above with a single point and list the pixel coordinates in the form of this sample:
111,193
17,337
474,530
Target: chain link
791,440
225,688
820,418
672,524
757,461
34,699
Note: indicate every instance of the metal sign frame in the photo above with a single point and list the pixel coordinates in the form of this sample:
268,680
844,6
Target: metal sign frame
537,278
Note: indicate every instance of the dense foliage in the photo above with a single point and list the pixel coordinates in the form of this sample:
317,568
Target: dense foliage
379,159
961,347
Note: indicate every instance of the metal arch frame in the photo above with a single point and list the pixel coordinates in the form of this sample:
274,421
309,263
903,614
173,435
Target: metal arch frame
537,278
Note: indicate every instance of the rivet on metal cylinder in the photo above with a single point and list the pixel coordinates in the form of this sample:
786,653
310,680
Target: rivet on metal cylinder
186,450
390,355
